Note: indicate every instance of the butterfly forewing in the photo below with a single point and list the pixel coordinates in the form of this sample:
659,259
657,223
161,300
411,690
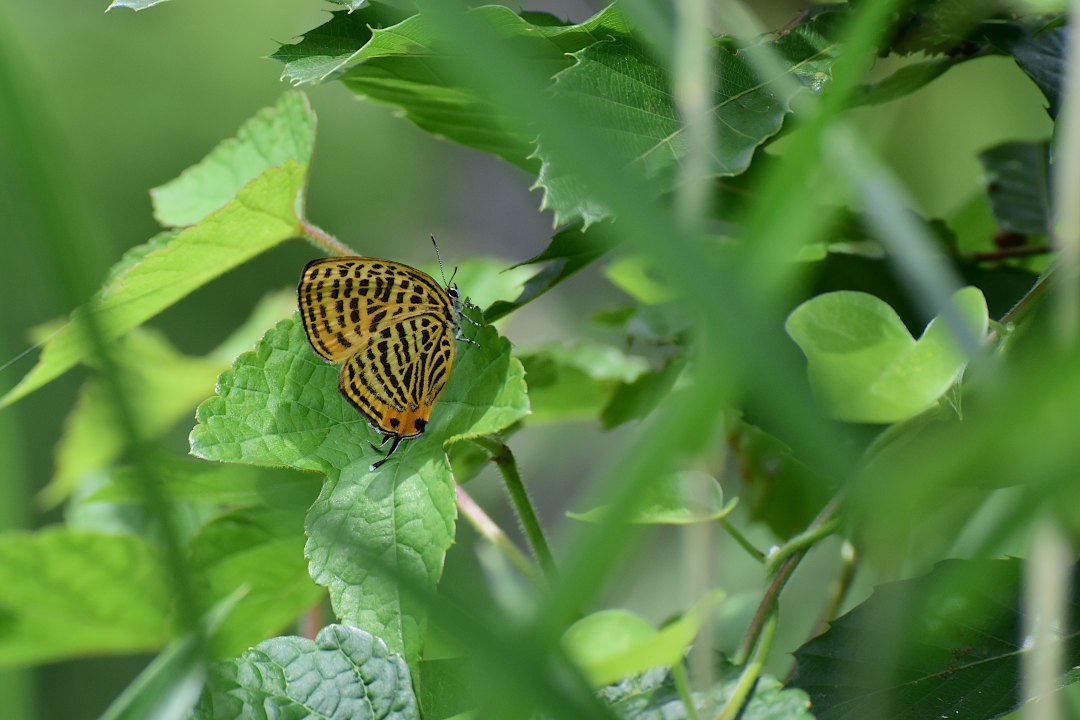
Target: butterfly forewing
393,326
343,301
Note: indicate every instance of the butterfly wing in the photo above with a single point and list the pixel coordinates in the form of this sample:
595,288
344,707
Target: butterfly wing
397,376
345,301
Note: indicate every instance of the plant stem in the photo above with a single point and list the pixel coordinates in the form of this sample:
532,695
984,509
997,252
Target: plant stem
741,539
494,534
751,672
534,534
682,686
800,543
324,240
783,573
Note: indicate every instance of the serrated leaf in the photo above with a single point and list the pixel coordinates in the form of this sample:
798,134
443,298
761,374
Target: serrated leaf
344,673
260,216
271,138
413,65
65,593
863,363
676,499
943,644
1041,56
568,251
280,405
626,94
612,644
1018,185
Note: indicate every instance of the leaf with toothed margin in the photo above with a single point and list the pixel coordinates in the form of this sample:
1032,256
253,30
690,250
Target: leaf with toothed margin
280,405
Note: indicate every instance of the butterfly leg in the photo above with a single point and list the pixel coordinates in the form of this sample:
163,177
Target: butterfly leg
393,447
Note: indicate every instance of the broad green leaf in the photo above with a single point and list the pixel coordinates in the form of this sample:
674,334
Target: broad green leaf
261,216
66,593
280,406
568,251
575,381
344,673
631,275
271,138
448,687
906,80
863,363
163,385
1018,185
676,499
947,643
626,94
259,550
612,644
413,65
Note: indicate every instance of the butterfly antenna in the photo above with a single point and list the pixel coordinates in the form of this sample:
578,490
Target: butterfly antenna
439,258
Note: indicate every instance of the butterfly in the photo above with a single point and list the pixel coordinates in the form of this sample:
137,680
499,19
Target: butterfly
393,328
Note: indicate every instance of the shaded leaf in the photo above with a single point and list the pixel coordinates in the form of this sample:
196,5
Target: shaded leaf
1018,185
676,499
634,400
575,381
1041,55
943,644
626,94
568,251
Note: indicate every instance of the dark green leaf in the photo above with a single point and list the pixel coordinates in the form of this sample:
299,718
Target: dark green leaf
635,400
1042,58
945,644
626,94
568,251
1018,185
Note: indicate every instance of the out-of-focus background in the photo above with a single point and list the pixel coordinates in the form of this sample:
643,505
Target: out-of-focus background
137,97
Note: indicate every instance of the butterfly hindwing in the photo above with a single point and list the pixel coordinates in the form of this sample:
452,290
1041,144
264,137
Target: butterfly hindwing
397,377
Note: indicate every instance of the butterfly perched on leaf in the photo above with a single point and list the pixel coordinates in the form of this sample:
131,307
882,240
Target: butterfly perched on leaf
393,328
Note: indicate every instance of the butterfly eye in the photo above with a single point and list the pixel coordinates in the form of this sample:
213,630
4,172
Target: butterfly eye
452,291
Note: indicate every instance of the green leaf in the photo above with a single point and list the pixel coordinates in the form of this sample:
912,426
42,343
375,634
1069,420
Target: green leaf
65,593
626,93
1041,56
863,363
280,405
676,499
576,381
260,550
945,644
652,696
568,251
273,137
344,673
163,386
612,644
413,65
261,216
1018,185
636,399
